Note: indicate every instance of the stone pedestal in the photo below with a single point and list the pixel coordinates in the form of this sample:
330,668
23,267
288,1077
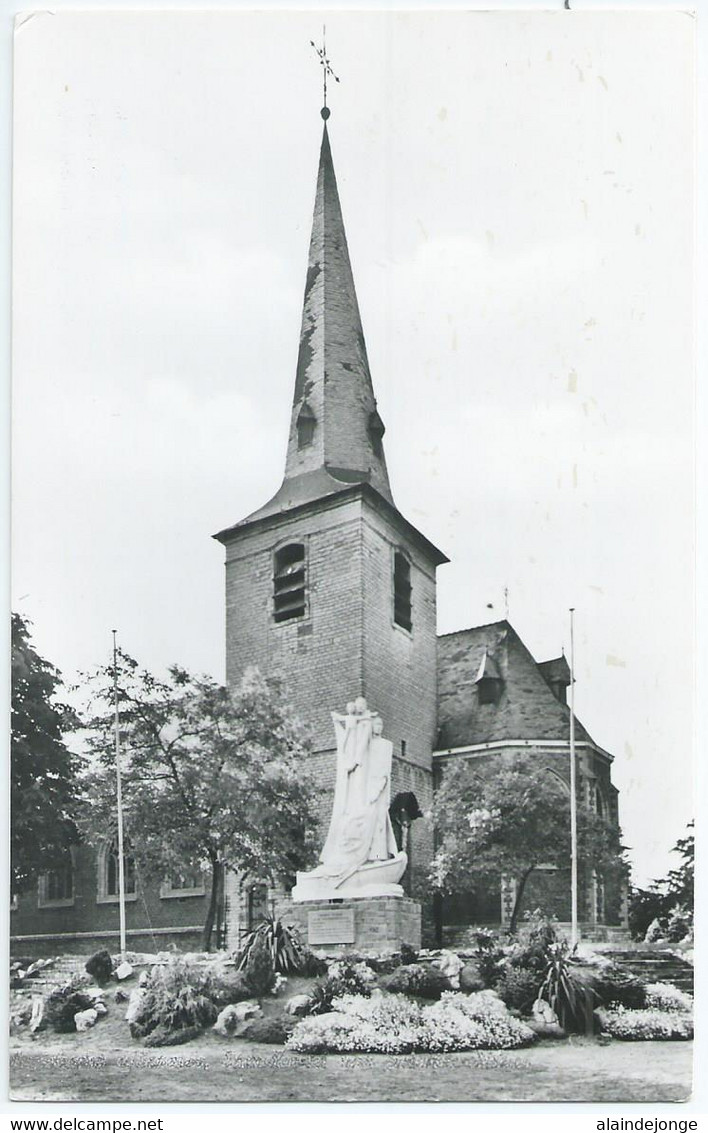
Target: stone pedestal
355,924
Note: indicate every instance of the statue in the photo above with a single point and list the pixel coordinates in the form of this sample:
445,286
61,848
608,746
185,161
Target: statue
359,856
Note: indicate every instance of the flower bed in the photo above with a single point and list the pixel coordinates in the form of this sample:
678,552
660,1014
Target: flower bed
666,997
387,1023
648,1023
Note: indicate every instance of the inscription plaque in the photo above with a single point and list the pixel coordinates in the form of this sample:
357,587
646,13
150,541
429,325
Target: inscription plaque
330,926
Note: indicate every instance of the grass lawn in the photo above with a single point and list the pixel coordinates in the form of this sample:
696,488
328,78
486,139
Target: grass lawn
105,1064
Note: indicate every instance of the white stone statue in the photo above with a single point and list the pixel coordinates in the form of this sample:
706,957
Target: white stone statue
360,856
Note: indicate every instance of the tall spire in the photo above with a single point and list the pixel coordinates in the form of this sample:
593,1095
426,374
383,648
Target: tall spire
335,426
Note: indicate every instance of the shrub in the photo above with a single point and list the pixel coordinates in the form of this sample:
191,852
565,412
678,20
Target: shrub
417,979
655,932
571,999
489,956
275,1030
408,954
282,943
679,924
386,1023
100,966
535,938
666,997
518,987
343,978
645,1024
161,1036
226,986
258,967
176,997
62,1004
311,963
616,986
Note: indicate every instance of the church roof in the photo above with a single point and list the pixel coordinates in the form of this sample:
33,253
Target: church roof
556,671
526,708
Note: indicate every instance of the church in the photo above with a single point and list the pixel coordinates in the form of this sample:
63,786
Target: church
332,589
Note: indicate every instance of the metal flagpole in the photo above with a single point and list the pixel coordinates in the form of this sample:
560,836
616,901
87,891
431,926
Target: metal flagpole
119,802
573,801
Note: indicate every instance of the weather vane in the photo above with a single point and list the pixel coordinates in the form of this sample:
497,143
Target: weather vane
321,53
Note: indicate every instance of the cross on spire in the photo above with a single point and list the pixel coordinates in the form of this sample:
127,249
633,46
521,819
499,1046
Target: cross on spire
327,71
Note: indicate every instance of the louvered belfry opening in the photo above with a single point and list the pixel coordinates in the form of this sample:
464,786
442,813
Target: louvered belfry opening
289,583
402,591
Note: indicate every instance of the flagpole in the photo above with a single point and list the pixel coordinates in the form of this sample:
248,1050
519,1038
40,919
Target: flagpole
119,802
573,800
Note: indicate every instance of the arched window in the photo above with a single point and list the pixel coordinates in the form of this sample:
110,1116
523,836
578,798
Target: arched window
289,582
306,422
402,615
56,886
108,872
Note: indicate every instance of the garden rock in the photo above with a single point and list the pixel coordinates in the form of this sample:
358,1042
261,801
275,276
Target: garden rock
450,965
37,1016
298,1005
542,1012
124,971
227,1021
84,1020
135,1004
470,979
100,1008
245,1011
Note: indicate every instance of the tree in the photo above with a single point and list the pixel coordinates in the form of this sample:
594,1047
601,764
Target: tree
509,820
679,883
212,778
43,772
665,895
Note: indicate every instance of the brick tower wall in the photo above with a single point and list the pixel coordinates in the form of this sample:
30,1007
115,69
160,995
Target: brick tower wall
347,644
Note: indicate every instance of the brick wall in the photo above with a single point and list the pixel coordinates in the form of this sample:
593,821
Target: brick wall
147,912
380,923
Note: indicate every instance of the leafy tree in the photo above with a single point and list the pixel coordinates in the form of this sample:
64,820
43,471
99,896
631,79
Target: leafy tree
43,772
509,820
679,882
212,778
665,895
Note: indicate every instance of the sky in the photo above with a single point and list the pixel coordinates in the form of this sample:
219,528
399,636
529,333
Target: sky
518,195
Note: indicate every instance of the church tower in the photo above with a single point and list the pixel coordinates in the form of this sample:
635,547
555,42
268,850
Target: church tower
328,585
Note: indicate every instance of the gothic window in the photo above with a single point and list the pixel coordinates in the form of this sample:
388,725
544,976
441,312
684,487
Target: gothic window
306,422
56,886
108,872
289,582
402,591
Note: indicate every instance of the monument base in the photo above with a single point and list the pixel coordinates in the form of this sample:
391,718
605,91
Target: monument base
355,924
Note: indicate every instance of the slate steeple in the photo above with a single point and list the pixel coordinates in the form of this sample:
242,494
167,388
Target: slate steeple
335,425
336,433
